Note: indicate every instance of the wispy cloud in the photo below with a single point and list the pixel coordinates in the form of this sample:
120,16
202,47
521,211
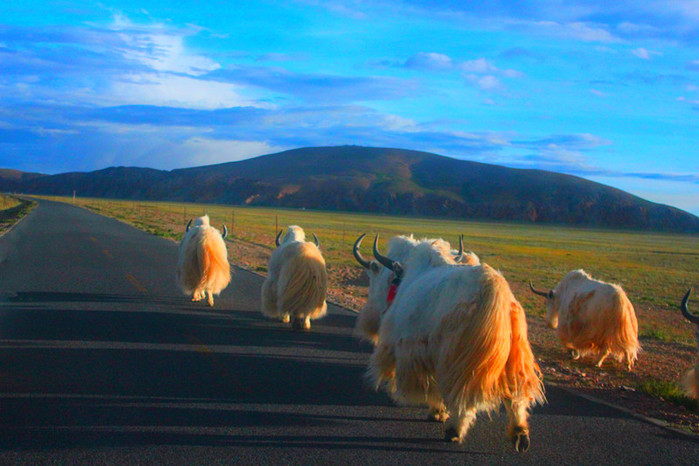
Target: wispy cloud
645,54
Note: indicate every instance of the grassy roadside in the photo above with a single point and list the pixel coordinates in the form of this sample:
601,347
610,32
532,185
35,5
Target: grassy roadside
655,270
12,209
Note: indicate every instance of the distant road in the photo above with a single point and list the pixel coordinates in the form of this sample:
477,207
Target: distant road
103,360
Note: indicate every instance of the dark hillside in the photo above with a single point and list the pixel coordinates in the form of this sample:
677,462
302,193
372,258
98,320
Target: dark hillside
365,179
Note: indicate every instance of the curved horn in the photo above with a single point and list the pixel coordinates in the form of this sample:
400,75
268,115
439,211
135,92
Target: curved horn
276,241
355,250
189,224
541,293
225,231
685,310
460,256
385,261
315,238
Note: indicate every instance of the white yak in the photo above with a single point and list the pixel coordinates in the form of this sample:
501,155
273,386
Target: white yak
455,339
592,317
202,265
380,278
297,280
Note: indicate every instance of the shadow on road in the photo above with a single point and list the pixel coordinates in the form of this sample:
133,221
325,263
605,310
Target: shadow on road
81,369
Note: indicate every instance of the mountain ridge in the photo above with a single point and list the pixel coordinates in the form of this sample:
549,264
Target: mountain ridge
379,180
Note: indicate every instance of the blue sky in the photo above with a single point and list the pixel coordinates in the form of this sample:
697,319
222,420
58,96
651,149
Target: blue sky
606,92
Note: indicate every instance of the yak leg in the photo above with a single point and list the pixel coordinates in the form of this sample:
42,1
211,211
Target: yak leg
210,298
518,429
457,426
285,318
629,361
198,295
438,412
604,356
301,323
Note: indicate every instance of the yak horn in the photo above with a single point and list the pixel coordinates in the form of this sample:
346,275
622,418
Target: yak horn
541,293
225,231
385,261
460,256
355,250
189,224
277,240
315,238
685,310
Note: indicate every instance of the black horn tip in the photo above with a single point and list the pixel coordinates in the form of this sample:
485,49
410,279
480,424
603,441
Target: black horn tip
189,225
276,241
540,293
685,309
315,239
225,231
386,261
357,255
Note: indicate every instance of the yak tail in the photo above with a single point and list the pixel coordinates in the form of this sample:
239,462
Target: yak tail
625,341
213,261
303,283
486,356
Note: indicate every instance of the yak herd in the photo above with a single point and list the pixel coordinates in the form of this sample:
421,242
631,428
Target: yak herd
448,333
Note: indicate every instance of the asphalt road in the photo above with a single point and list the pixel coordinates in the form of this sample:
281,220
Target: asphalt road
103,360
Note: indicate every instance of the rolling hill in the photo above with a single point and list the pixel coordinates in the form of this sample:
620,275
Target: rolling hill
380,180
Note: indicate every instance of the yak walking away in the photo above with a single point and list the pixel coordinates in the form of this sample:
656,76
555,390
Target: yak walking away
381,278
202,267
297,282
455,339
592,317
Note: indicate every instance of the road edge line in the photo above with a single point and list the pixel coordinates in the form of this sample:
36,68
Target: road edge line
651,420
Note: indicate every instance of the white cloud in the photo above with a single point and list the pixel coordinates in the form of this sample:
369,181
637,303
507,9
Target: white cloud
430,61
199,151
487,82
586,32
160,48
645,54
481,65
175,91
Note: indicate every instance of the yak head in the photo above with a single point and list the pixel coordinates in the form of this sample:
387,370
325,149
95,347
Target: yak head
294,233
551,307
380,277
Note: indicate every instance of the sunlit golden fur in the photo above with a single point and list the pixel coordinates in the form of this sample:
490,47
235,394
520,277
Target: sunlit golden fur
456,336
297,281
470,259
594,318
202,266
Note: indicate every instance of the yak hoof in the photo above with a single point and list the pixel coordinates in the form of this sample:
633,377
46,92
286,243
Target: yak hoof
438,416
451,435
575,354
520,440
300,324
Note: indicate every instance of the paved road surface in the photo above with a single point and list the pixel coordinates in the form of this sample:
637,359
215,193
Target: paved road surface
102,360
